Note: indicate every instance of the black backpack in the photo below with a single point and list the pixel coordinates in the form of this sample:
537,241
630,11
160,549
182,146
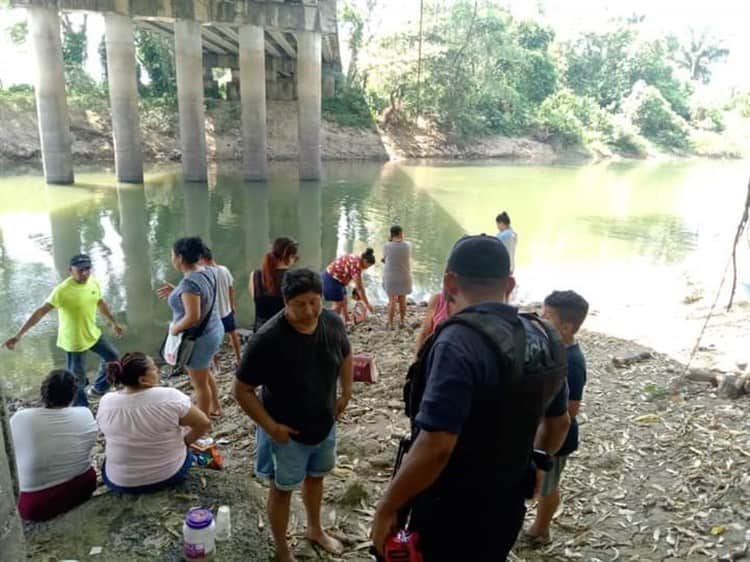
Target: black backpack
529,348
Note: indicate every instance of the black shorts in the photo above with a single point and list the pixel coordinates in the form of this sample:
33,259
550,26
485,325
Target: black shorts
228,321
467,531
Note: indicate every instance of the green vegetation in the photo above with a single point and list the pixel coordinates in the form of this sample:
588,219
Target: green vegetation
483,72
472,69
348,107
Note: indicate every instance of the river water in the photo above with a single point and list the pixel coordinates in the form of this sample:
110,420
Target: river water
624,234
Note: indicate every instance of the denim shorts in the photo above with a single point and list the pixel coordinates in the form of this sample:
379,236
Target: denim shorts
173,480
206,347
552,478
333,290
289,463
229,323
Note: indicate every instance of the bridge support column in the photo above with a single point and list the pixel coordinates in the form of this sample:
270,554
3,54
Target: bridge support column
189,66
253,100
51,104
308,101
123,98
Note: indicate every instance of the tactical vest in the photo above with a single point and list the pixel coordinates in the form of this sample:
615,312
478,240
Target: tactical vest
494,449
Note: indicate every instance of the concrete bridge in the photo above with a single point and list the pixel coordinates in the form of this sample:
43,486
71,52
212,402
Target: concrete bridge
282,49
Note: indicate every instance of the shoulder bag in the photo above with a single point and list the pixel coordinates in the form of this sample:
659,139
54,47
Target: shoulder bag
177,350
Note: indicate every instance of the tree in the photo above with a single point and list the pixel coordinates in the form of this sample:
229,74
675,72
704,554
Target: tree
698,53
599,65
75,42
155,53
18,32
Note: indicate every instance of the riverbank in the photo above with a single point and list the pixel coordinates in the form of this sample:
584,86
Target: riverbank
92,137
658,477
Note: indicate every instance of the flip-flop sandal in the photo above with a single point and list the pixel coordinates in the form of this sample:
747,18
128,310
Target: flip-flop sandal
536,540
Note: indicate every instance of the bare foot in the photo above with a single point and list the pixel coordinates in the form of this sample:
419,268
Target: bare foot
285,556
216,412
325,541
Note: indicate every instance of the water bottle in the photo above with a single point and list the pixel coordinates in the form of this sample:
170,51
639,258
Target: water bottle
223,524
402,547
198,534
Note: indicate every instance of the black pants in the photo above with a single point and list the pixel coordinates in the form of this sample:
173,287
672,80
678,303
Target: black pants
474,529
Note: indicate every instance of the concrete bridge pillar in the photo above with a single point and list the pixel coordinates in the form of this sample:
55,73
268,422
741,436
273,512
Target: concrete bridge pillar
253,100
123,98
189,66
51,104
309,100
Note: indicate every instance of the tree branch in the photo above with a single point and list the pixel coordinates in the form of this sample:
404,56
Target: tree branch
737,236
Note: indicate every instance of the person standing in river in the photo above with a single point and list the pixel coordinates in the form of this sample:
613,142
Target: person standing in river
397,274
265,283
342,271
191,300
509,238
77,299
299,357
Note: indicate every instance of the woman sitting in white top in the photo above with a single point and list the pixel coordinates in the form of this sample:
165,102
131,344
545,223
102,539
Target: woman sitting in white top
146,447
53,451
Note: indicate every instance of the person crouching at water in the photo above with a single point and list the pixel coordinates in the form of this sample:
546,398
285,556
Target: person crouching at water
191,300
340,273
53,451
265,283
145,449
299,358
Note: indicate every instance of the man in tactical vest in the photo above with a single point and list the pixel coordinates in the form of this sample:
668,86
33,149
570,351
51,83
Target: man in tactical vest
475,396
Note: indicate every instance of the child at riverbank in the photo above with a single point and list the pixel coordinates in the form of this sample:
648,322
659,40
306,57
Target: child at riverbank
225,299
566,310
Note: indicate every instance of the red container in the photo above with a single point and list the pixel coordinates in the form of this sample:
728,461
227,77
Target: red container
365,369
402,547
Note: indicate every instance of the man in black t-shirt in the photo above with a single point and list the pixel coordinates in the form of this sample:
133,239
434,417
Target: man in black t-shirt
298,357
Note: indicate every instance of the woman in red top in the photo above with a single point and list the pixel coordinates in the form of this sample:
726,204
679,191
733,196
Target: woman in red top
340,273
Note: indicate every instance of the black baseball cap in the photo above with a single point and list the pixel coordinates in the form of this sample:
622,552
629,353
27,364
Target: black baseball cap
479,256
80,260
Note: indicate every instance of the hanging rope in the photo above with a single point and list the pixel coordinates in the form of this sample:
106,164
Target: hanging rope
740,229
419,60
732,261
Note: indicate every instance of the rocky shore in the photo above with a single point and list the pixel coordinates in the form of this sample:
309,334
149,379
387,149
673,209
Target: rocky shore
92,138
659,476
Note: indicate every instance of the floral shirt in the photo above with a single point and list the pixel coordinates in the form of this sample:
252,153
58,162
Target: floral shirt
345,268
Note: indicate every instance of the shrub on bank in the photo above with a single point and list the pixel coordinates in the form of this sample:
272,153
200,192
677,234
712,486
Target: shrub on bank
647,108
348,107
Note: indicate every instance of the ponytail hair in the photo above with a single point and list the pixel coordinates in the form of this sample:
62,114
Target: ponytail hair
368,256
282,249
128,369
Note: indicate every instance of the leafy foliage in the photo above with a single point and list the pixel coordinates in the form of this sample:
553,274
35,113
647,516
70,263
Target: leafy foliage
18,32
654,117
697,53
155,54
348,107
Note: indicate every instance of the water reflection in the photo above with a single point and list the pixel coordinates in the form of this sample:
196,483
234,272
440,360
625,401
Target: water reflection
136,252
578,227
309,216
65,235
666,238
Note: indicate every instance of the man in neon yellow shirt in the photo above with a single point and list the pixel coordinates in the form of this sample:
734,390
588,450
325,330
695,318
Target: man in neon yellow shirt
76,300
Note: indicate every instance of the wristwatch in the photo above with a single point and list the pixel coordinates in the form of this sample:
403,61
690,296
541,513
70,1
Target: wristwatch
542,460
